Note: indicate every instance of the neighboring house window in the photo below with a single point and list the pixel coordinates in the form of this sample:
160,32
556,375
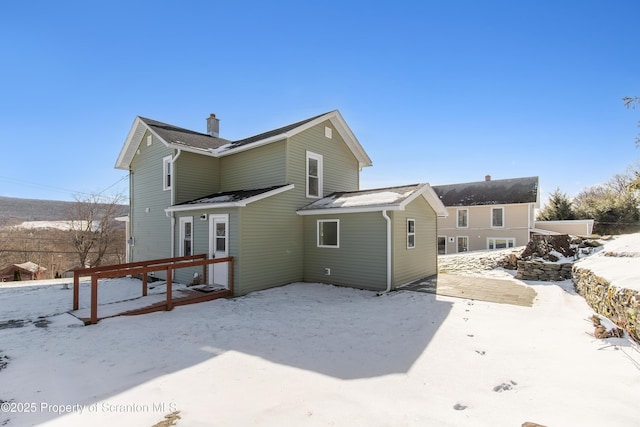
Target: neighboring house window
463,218
167,173
497,217
463,243
411,233
314,174
328,233
186,236
500,243
442,245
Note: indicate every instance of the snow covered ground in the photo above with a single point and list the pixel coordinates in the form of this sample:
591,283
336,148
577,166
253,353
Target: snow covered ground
314,355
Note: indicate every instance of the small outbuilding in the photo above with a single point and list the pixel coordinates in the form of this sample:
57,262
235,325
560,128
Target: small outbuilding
25,271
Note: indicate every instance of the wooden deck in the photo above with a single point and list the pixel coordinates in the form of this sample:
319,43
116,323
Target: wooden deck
151,303
144,268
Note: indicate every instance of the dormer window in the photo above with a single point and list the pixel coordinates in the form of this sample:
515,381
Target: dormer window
314,175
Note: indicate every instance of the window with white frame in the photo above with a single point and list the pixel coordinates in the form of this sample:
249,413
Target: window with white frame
314,175
167,173
411,233
328,233
463,244
463,218
501,242
186,236
497,217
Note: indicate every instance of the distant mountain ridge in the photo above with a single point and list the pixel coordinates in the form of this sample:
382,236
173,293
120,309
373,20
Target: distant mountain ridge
15,211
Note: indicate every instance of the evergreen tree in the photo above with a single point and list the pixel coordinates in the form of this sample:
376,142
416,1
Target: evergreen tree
558,208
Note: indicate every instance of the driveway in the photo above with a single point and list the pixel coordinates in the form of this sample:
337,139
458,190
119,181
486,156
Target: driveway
502,291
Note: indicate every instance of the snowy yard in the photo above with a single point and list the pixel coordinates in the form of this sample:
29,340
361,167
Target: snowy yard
314,355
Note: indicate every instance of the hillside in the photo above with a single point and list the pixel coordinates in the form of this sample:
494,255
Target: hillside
15,211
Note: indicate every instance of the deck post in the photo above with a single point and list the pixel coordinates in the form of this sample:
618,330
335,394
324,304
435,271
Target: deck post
144,284
230,284
76,290
94,299
169,289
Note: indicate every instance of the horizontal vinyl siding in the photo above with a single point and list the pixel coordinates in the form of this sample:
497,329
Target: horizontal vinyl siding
256,168
340,167
151,230
195,176
360,261
271,252
516,225
200,239
420,261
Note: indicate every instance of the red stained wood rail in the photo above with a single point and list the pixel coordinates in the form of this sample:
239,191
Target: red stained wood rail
143,268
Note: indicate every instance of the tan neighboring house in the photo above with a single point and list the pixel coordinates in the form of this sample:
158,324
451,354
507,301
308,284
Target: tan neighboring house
489,214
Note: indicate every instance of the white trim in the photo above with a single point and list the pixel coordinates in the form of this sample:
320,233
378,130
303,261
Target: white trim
337,245
491,216
411,233
240,204
320,177
183,221
458,210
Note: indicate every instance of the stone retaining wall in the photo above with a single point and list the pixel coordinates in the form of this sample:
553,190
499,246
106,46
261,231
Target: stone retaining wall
620,305
547,272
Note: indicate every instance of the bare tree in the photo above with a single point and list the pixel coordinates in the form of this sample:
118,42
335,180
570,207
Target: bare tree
93,226
633,102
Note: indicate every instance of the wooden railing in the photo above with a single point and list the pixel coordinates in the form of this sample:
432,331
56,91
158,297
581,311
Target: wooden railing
143,268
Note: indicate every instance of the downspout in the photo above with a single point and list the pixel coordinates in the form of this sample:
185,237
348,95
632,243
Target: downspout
173,202
386,217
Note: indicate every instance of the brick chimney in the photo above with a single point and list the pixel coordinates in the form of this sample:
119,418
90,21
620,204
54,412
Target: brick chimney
487,177
213,126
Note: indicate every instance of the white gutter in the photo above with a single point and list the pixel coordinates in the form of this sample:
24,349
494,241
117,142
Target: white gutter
386,217
173,201
173,233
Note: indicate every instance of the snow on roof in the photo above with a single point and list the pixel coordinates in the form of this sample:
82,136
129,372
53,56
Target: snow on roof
30,266
381,197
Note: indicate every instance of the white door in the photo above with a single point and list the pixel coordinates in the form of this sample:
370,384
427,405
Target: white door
218,273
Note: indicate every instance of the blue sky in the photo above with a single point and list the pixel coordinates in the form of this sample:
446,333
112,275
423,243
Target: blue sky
438,92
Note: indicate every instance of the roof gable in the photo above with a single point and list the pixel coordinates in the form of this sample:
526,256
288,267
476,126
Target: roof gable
201,143
494,192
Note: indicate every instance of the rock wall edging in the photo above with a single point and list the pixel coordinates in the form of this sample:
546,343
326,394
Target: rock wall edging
543,271
620,305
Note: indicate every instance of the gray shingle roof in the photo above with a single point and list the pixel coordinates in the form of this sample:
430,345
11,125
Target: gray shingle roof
230,196
177,135
273,132
494,192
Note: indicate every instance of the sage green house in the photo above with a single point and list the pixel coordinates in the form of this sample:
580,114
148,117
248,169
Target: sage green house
286,204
